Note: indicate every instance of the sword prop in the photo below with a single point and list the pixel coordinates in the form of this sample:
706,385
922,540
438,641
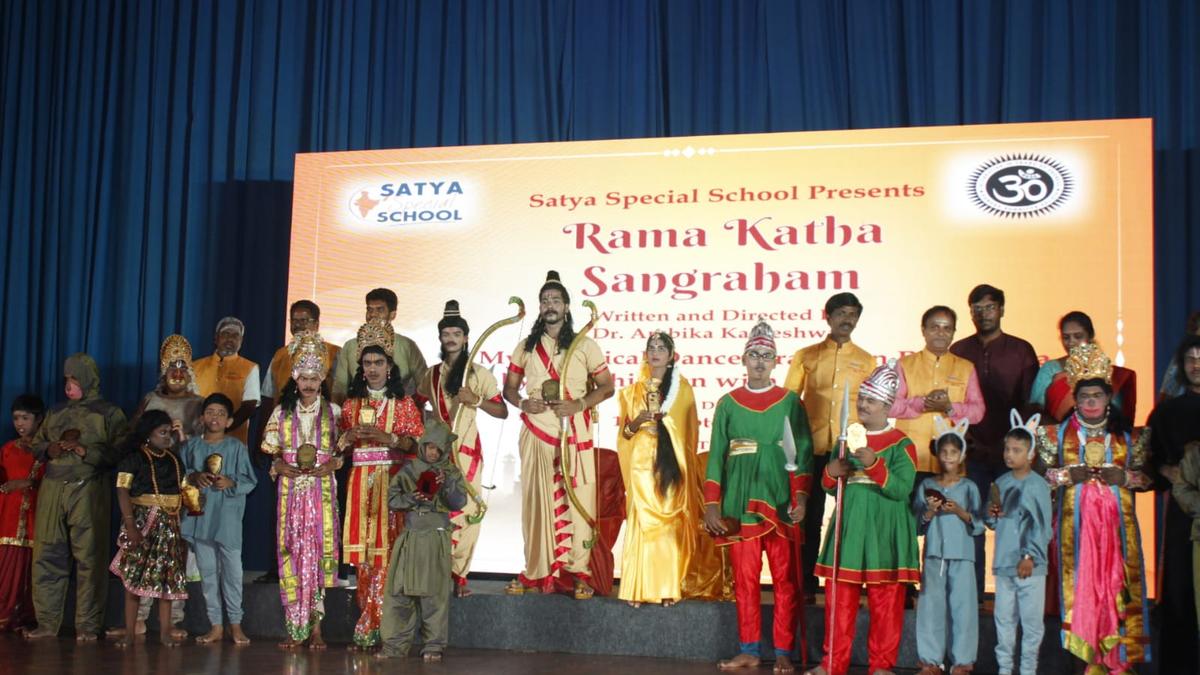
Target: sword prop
831,590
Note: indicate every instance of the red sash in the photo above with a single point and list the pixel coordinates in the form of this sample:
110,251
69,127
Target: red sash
541,435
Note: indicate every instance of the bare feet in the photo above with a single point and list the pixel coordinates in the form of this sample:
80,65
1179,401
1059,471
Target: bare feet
583,591
432,657
739,661
126,641
139,628
819,670
462,591
239,638
212,636
783,664
86,637
633,604
669,603
40,633
179,634
168,639
289,644
316,643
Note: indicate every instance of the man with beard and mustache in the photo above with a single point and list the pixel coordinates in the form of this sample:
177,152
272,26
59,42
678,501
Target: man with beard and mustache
443,385
555,552
229,373
78,443
379,424
819,373
935,382
1006,366
381,306
1174,426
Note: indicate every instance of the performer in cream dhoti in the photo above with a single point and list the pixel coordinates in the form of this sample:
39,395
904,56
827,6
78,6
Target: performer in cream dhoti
380,423
456,395
557,534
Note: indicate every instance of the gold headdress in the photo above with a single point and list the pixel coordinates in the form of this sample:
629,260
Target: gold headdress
376,333
174,348
308,355
1087,362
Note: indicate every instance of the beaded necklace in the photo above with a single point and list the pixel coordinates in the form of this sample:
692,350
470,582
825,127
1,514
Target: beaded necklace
151,456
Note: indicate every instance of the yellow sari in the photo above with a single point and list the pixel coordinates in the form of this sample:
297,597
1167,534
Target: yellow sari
666,556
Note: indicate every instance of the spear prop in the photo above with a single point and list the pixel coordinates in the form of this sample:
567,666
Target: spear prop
831,586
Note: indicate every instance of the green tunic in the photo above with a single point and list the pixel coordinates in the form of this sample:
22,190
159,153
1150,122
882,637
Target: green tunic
879,533
745,472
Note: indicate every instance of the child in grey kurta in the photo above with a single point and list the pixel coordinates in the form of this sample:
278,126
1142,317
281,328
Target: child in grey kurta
1020,514
216,536
947,507
418,588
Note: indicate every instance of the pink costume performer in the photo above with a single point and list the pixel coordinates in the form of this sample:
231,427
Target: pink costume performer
307,529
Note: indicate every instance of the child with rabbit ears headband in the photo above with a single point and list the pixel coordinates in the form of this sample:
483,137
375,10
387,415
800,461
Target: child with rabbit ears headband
941,429
1030,425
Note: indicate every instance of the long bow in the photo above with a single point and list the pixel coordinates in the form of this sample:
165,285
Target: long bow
481,505
564,452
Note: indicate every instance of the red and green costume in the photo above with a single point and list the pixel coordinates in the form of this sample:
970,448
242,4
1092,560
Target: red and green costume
747,478
878,549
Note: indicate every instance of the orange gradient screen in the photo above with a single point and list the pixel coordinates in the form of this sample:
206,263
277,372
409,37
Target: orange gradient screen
701,236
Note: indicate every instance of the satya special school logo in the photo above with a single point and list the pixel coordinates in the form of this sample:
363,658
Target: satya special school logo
409,202
1020,185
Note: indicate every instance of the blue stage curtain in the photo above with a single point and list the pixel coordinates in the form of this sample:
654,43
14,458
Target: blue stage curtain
147,146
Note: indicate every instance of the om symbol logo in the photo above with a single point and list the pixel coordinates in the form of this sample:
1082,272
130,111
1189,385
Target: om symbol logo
1020,186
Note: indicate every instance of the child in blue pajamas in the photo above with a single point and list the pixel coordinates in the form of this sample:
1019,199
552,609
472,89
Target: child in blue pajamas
947,507
1021,518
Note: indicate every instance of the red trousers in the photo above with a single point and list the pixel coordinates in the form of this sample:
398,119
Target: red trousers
886,604
746,560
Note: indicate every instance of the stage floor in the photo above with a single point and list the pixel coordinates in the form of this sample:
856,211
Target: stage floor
63,656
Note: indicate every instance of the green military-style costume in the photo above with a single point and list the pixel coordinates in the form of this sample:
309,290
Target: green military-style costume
745,472
419,584
879,533
74,503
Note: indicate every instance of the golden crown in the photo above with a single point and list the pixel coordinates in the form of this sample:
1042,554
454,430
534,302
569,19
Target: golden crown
174,348
308,355
376,333
1087,362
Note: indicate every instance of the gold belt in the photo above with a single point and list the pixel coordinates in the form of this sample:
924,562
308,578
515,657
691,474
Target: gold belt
161,501
742,446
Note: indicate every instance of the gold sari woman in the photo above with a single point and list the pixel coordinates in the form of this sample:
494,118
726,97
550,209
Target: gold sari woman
666,554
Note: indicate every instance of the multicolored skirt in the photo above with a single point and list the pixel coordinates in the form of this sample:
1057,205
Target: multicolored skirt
155,568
